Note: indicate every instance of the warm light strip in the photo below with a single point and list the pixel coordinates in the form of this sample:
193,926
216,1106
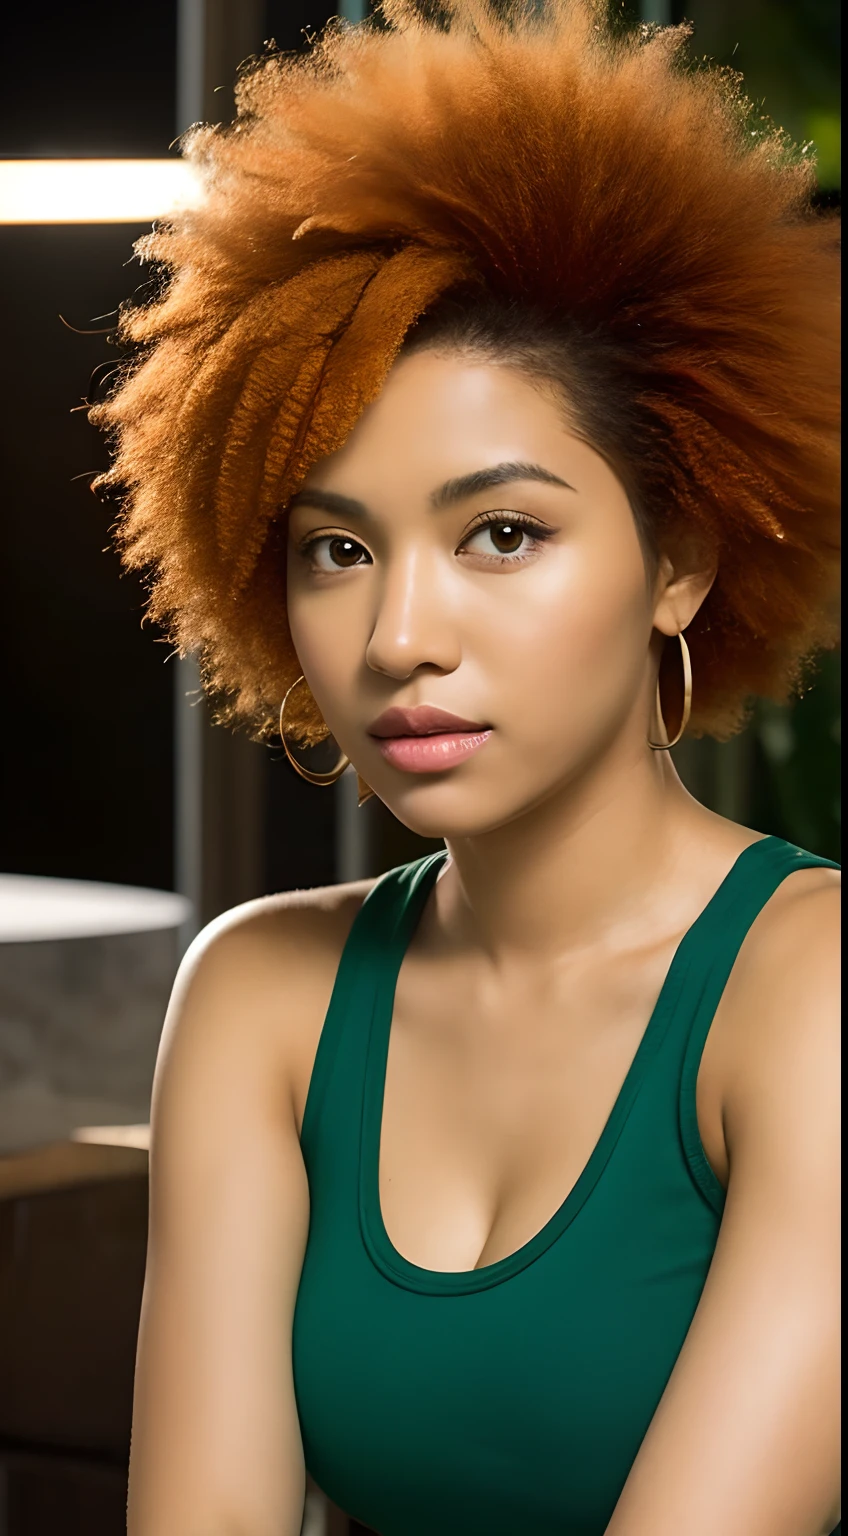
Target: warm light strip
93,191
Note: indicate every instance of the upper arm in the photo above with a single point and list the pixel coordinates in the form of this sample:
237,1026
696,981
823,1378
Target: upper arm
746,1437
215,1439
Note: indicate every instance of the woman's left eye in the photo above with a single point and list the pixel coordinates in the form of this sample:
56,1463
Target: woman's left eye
506,540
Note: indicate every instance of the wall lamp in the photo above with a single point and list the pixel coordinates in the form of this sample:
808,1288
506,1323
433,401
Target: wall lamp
94,191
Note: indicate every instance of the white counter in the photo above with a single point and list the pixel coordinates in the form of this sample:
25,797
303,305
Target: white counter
86,970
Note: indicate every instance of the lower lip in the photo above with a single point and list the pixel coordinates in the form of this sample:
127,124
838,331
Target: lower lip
429,754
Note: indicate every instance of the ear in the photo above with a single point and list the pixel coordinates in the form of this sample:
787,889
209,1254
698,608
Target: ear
683,580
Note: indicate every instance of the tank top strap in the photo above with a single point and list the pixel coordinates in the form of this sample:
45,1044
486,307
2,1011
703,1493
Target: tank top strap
712,946
369,963
406,889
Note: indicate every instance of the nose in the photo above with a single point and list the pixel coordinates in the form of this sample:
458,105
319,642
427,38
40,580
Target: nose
413,626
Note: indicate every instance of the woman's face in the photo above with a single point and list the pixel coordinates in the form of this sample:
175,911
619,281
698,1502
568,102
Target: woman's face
465,551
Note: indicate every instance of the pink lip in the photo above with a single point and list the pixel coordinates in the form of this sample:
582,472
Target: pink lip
431,754
425,739
422,720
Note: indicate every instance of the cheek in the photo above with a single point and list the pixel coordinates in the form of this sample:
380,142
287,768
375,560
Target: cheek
574,644
325,627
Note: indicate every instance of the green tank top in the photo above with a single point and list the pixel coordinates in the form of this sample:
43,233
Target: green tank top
509,1400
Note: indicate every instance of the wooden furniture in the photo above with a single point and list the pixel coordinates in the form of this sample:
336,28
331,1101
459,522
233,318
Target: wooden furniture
73,1244
73,1237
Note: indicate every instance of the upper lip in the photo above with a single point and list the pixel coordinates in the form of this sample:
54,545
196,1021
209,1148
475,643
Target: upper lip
423,720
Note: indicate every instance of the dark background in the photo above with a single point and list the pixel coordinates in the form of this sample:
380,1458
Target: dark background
86,777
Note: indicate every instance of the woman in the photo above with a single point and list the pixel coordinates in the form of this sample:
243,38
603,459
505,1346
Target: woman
494,380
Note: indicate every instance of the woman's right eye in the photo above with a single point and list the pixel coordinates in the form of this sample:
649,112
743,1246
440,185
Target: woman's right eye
334,552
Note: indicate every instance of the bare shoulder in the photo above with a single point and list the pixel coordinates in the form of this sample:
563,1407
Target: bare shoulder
270,965
781,1016
792,951
272,930
216,1439
761,1358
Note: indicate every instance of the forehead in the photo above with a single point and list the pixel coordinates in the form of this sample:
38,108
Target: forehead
440,415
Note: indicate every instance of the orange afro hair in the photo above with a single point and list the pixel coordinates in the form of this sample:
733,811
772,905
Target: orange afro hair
528,156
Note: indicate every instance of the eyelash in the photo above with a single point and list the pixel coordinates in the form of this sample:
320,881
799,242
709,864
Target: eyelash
537,531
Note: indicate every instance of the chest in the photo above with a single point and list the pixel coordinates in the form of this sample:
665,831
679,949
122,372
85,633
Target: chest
495,1098
439,1400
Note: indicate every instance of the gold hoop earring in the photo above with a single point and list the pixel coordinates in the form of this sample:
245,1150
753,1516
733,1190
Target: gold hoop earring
306,773
663,746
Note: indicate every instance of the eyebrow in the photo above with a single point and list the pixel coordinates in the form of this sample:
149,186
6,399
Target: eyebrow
486,479
446,495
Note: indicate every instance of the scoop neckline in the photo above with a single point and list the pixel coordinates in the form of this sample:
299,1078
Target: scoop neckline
379,1245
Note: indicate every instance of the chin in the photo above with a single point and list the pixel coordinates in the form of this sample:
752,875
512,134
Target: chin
448,811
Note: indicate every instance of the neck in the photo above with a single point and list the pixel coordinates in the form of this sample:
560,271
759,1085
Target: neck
581,864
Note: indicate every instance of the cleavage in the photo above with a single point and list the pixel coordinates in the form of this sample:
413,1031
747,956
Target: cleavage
489,1122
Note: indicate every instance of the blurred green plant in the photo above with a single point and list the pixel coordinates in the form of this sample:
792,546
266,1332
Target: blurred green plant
794,785
824,129
788,52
